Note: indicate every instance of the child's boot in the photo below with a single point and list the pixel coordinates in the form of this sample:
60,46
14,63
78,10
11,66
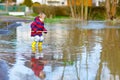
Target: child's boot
40,46
34,47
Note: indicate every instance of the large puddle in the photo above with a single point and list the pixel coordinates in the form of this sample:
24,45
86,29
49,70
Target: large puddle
72,50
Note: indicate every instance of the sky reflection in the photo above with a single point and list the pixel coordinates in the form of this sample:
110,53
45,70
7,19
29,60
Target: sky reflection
73,51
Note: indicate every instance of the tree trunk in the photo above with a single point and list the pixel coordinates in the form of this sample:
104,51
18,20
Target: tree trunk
6,5
82,8
86,9
71,8
108,9
75,12
113,8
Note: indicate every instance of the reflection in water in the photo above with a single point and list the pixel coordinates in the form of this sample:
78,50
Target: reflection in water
4,70
86,56
73,52
37,65
110,55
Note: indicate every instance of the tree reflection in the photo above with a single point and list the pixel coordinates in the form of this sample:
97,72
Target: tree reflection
76,53
110,54
88,54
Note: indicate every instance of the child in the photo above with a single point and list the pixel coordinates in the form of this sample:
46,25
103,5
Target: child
37,27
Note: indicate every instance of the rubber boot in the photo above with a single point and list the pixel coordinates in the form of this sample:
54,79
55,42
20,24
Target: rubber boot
34,47
39,46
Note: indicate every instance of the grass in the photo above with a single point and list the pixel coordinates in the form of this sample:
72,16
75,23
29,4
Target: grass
55,19
51,20
47,20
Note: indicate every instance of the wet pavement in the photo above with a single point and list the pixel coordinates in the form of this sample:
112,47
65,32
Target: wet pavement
72,50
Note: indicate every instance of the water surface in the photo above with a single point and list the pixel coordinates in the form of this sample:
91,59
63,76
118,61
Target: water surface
74,50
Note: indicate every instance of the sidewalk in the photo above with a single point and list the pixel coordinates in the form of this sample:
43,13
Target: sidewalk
14,19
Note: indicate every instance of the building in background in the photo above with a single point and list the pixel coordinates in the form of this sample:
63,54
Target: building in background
56,2
63,2
19,1
47,2
79,2
40,1
98,2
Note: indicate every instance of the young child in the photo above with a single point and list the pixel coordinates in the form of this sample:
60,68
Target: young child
37,27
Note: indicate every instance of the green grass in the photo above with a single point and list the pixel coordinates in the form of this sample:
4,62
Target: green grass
34,14
51,20
47,20
61,17
55,19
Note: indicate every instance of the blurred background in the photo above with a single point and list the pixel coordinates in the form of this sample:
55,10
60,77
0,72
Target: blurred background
80,9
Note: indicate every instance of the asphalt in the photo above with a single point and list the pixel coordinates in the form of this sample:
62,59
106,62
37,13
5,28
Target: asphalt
14,19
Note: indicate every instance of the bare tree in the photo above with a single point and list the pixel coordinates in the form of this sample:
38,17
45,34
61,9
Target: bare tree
75,12
82,9
71,8
83,12
111,9
86,9
7,3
